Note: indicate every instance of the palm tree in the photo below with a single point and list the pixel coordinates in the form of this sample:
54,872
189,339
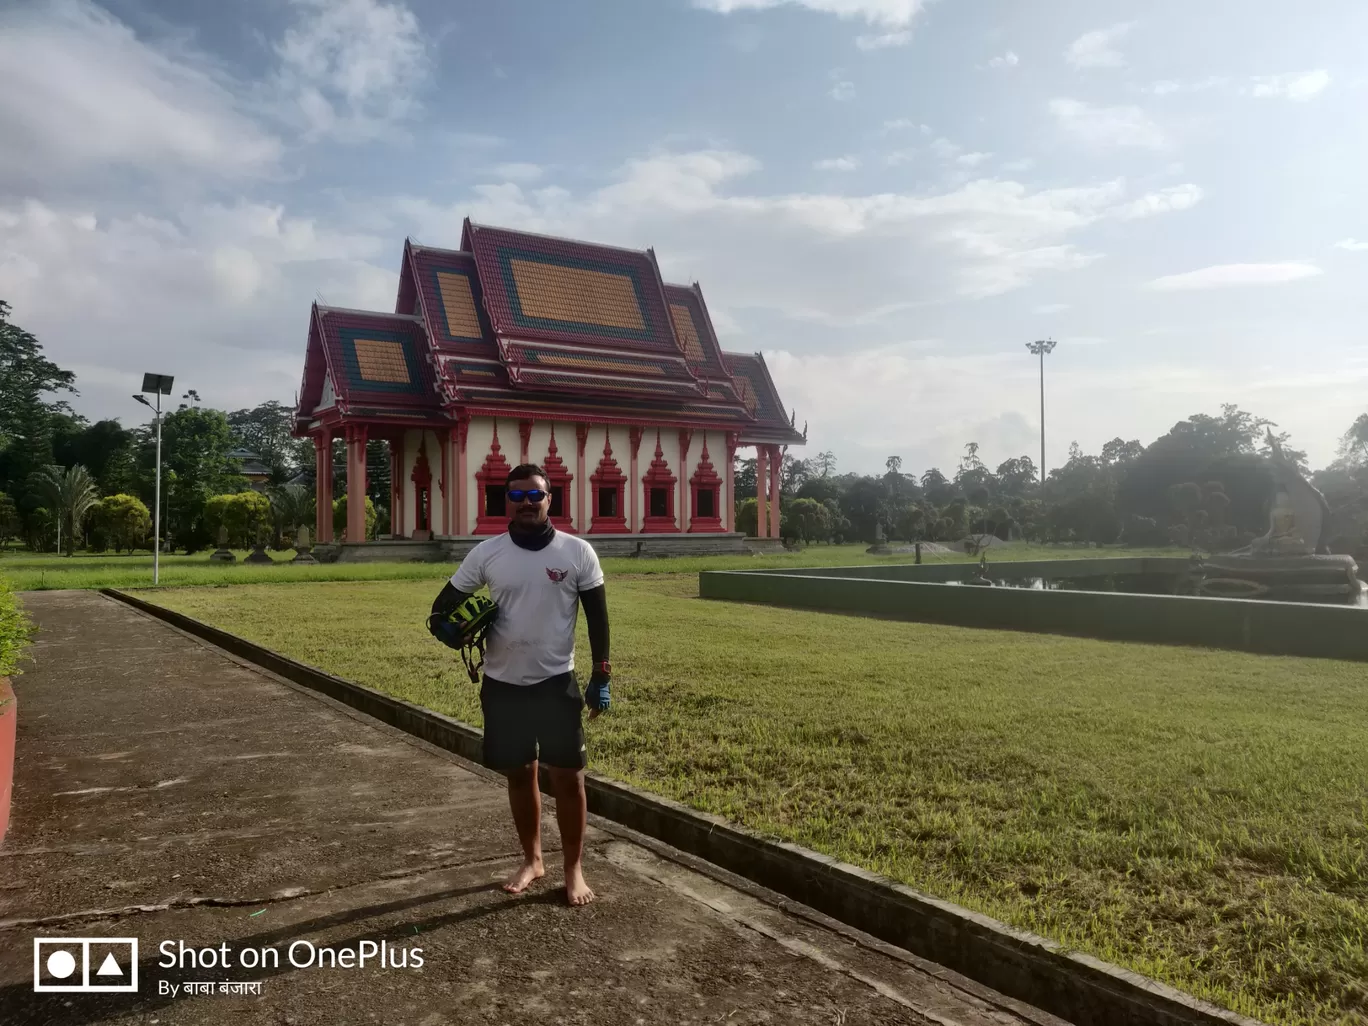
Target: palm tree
70,493
292,504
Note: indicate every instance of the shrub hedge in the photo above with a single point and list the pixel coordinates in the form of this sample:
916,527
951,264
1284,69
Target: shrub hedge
16,630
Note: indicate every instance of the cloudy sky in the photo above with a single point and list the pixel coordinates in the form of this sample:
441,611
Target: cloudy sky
888,198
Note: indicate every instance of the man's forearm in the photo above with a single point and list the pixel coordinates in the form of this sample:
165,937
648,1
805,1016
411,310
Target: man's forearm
595,603
449,598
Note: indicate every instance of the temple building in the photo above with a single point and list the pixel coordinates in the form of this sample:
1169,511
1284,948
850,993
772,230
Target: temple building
525,348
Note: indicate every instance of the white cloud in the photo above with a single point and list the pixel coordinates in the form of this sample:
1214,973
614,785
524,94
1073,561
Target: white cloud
1107,126
1006,60
1024,164
216,294
516,172
838,164
1299,86
1094,49
1051,308
883,40
1352,244
1234,275
843,90
898,125
349,68
944,148
892,13
1173,198
971,159
982,238
81,95
1296,86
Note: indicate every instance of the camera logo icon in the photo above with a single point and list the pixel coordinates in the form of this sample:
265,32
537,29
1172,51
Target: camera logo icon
85,965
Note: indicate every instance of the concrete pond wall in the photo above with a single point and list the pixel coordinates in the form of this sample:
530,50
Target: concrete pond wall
1248,625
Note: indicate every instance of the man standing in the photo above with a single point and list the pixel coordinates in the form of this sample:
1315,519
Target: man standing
537,577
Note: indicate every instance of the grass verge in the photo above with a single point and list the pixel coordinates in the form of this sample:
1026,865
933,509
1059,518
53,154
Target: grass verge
1197,816
45,571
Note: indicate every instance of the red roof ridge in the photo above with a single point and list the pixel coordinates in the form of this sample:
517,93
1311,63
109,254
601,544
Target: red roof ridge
560,238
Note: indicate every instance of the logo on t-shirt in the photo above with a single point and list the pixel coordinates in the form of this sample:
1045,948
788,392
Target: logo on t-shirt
557,575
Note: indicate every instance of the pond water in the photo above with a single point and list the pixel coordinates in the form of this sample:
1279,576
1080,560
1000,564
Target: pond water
1135,584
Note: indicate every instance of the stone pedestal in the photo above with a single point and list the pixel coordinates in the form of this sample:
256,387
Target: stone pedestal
303,554
258,554
222,555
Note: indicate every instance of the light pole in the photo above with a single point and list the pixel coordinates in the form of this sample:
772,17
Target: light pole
160,385
1040,348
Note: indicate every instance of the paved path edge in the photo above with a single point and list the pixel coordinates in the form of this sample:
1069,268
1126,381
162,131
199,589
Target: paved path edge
1077,987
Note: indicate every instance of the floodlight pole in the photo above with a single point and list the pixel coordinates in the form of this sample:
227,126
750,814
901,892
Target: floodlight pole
1040,348
156,503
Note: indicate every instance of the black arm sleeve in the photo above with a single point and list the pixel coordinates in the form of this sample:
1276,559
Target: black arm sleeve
595,603
448,599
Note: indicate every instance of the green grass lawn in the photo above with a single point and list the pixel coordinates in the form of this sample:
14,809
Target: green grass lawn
1197,816
39,571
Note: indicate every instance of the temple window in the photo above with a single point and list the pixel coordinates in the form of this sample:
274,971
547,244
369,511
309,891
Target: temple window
494,501
660,502
608,502
707,502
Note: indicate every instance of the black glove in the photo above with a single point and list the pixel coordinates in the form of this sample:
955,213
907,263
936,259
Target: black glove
446,630
596,695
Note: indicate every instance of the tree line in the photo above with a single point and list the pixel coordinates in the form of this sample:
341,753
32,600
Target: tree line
67,483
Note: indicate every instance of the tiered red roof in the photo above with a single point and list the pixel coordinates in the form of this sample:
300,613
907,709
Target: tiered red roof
517,324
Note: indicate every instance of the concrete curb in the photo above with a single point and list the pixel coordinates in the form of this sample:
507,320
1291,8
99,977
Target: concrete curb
9,717
1084,990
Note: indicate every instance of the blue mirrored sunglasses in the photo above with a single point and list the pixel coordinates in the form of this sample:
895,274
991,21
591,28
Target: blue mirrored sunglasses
530,494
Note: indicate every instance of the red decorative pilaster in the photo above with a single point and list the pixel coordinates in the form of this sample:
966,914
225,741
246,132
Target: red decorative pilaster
444,462
733,441
607,482
705,489
461,491
494,474
581,437
685,440
658,485
396,448
634,436
422,493
524,435
559,480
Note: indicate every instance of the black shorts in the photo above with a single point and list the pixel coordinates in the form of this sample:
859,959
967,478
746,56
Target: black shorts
533,722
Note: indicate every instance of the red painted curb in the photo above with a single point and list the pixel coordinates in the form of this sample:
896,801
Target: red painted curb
9,717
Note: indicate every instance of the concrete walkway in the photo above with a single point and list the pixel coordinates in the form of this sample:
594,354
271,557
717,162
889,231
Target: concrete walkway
168,793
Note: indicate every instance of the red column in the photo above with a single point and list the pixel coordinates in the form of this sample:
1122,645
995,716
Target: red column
761,492
323,487
396,487
776,466
356,484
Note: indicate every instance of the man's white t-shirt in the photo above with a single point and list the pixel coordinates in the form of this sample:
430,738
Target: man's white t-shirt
537,593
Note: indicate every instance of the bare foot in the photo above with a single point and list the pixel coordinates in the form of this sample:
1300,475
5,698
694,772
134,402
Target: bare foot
577,892
518,882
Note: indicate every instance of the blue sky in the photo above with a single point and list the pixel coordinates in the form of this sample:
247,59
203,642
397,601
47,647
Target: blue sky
888,198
